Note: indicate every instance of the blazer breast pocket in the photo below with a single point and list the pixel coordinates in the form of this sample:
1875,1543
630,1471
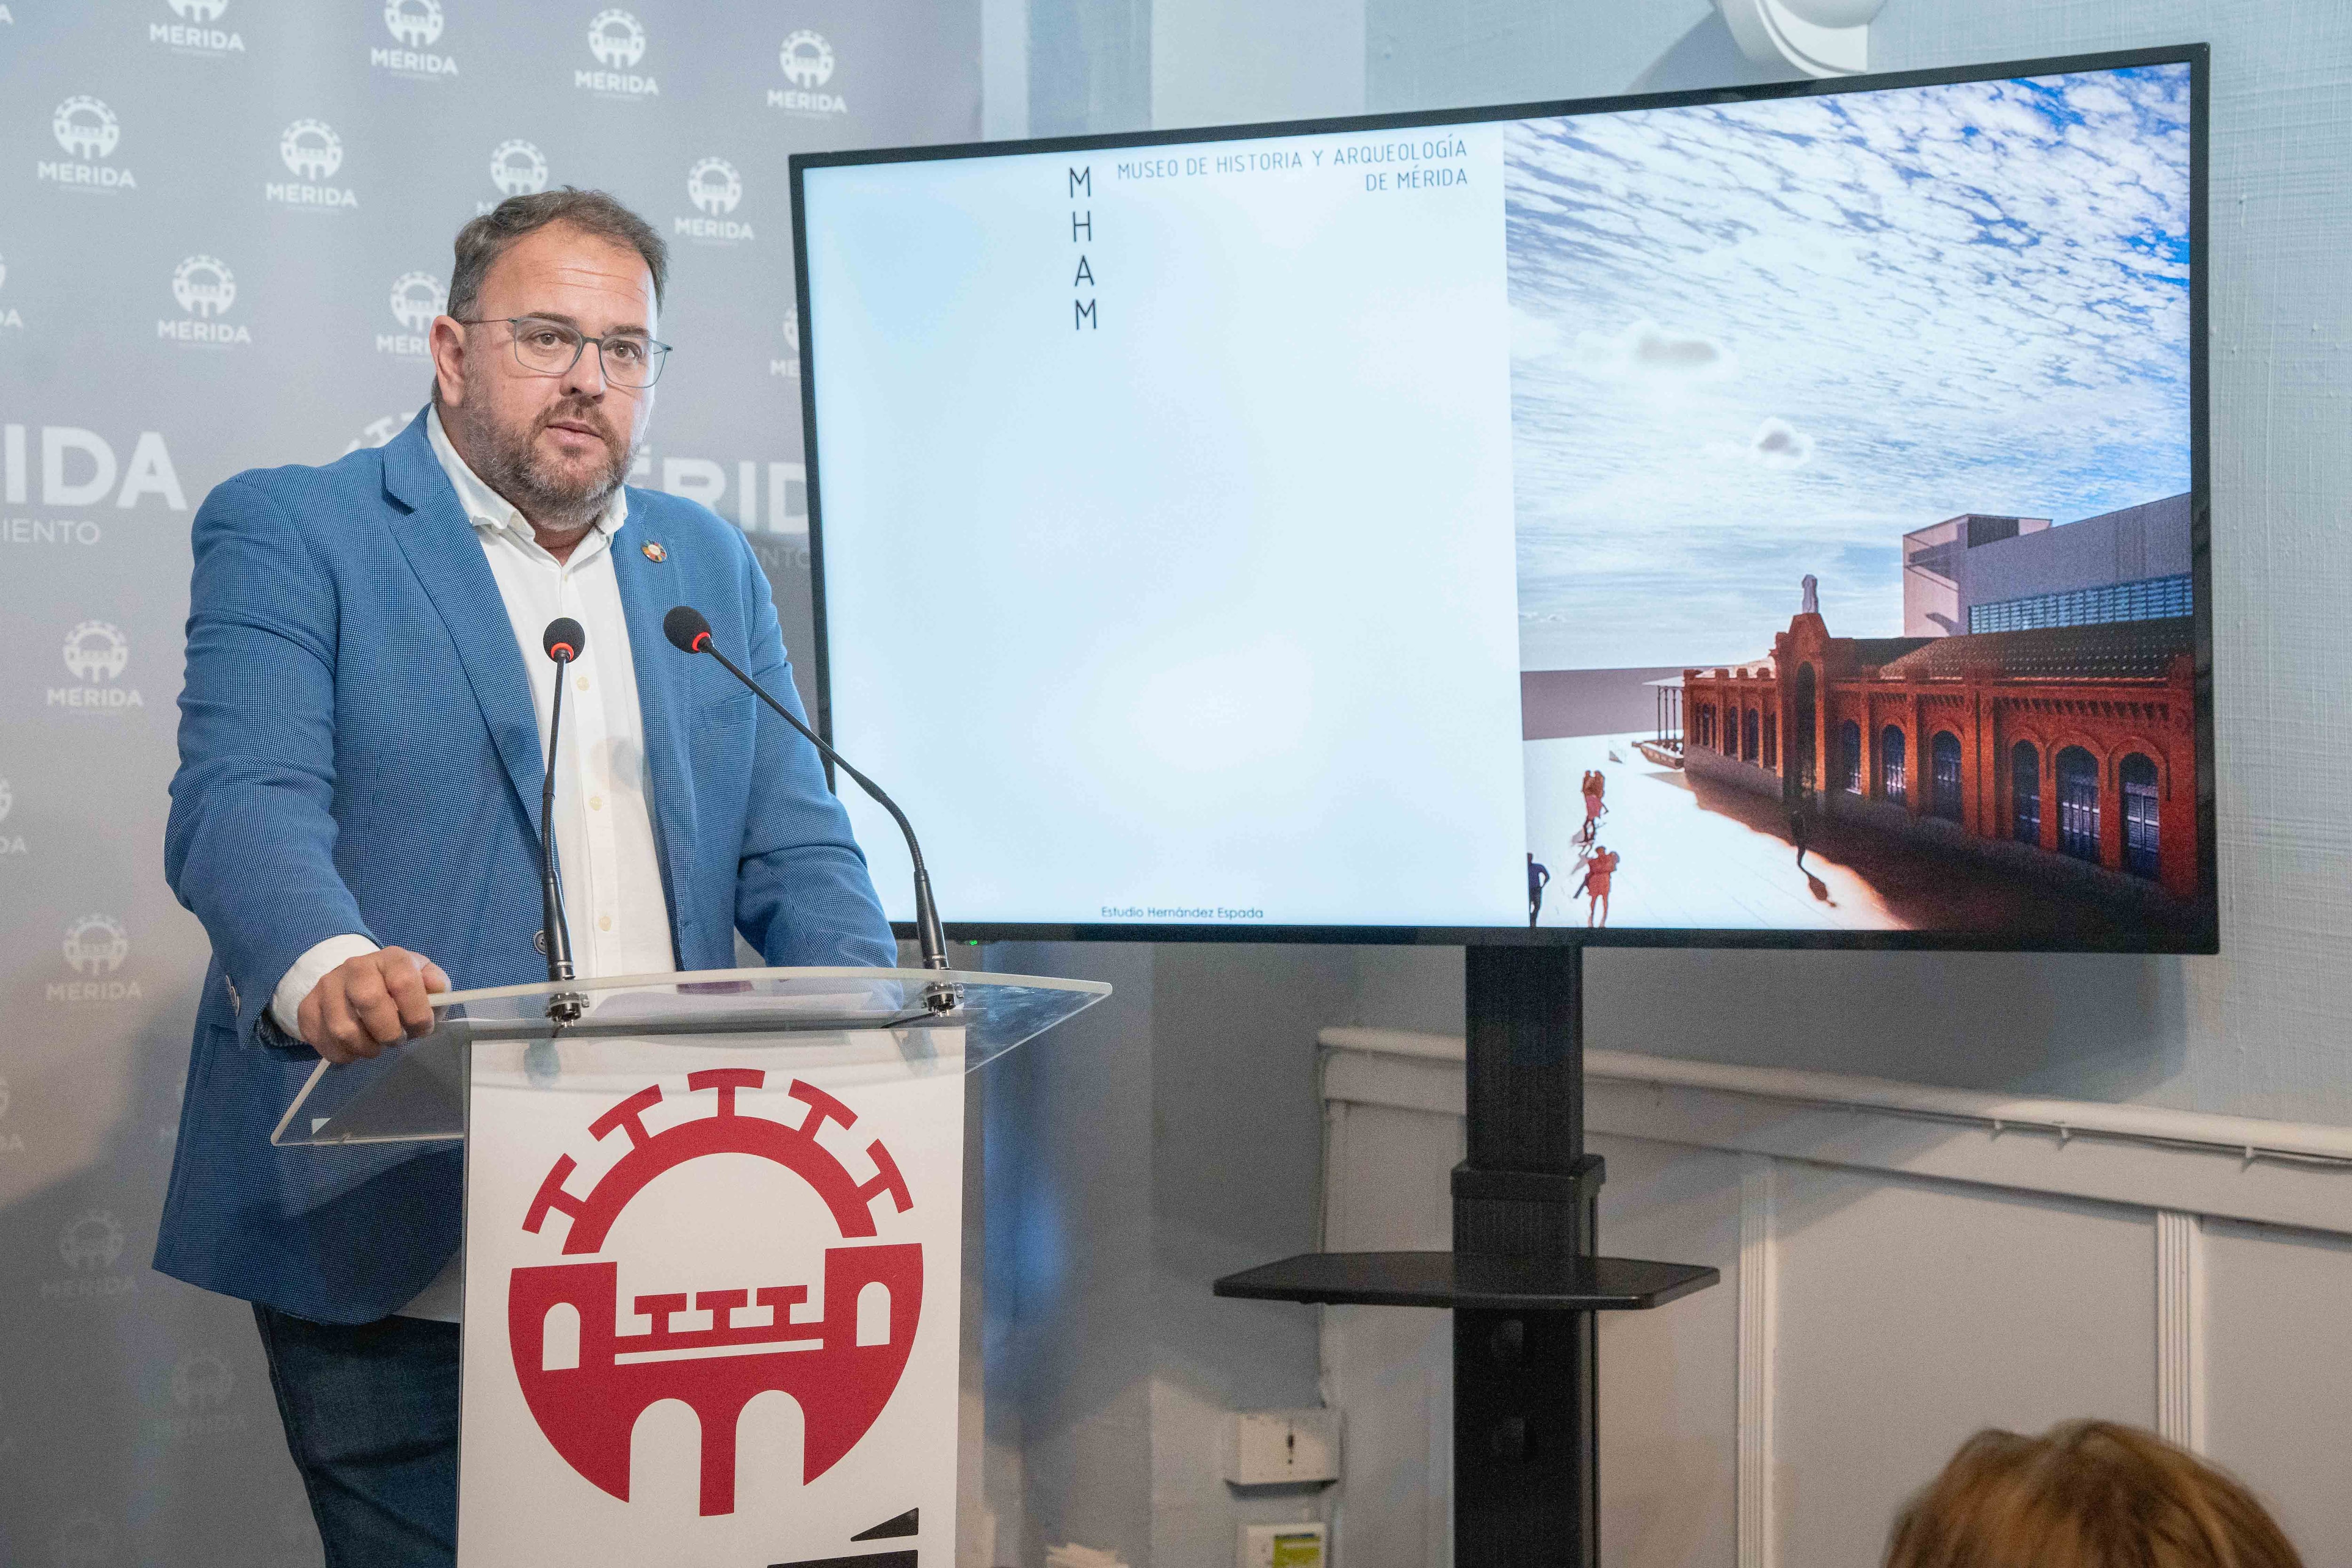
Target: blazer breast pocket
728,708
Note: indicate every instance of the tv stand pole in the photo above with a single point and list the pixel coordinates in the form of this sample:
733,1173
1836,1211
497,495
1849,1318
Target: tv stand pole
1524,1279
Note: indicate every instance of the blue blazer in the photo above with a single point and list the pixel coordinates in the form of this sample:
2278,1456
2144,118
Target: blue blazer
359,752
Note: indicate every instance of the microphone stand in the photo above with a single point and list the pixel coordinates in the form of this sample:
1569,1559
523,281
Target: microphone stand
562,1007
940,995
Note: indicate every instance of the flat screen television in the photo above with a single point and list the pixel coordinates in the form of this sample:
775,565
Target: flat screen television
1774,517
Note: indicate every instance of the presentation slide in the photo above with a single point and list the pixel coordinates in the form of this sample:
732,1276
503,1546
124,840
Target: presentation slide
1271,531
1167,527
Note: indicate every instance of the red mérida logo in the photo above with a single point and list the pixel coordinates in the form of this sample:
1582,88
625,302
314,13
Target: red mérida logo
588,1410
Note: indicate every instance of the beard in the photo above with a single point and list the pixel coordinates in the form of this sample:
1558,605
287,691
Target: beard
564,499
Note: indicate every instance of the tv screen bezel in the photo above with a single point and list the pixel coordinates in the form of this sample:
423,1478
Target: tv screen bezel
2154,940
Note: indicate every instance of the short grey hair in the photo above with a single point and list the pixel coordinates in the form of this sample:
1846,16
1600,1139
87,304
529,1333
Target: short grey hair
488,237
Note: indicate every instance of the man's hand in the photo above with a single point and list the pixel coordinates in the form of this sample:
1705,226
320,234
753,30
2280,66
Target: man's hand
367,1002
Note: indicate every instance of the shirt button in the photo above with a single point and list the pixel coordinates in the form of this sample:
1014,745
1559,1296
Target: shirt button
603,922
584,683
595,803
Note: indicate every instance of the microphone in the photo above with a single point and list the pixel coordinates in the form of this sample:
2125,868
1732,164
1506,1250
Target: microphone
689,632
563,640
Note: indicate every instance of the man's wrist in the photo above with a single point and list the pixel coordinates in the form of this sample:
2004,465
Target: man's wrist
303,976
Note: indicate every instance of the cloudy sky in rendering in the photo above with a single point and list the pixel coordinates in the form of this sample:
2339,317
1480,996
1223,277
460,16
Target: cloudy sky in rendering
1754,341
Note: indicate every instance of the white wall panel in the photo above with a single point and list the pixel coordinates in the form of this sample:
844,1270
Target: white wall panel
2278,1375
1911,1315
1390,1370
1670,1378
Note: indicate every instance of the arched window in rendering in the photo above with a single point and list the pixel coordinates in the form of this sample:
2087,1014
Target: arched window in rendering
2078,804
2141,854
1893,781
1747,736
1800,727
1850,756
1771,740
2025,792
1944,766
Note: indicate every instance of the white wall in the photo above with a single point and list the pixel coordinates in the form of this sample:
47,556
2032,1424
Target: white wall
1215,63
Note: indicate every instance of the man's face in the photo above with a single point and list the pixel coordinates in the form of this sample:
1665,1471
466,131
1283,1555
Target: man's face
555,446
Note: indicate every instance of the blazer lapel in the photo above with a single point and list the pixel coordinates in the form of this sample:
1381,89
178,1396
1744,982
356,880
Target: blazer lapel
648,589
447,558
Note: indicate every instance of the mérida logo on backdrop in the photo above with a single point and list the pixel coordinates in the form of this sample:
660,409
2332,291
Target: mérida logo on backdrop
90,1246
96,654
618,39
416,299
95,949
311,152
416,26
807,62
716,190
199,1403
204,289
78,469
88,132
517,168
194,33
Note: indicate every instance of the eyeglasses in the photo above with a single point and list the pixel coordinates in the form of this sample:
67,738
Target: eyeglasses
545,347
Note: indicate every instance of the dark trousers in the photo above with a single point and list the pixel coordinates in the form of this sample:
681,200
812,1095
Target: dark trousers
370,1413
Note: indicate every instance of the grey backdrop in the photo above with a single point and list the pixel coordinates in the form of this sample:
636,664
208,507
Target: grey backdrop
193,282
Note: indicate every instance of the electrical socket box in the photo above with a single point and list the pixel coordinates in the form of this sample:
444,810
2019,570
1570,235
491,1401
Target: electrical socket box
1283,1546
1284,1447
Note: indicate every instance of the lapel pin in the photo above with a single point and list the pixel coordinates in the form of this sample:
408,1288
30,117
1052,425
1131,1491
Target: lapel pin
654,552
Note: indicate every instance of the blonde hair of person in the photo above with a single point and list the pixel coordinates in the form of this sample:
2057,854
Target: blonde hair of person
2084,1494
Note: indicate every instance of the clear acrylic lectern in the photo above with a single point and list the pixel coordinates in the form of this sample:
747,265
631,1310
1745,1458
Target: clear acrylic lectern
713,1253
415,1092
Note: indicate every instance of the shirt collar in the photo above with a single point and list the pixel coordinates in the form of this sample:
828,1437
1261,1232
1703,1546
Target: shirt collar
485,508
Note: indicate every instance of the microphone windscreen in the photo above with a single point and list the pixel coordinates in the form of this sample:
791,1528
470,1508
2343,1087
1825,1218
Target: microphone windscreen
564,638
686,628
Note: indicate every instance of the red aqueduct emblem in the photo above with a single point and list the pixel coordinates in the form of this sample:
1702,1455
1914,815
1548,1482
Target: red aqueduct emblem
588,1410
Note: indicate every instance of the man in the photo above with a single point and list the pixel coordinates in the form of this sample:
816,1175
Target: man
359,787
1539,879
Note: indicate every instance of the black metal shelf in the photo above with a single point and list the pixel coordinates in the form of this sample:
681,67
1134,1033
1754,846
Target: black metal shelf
1470,1280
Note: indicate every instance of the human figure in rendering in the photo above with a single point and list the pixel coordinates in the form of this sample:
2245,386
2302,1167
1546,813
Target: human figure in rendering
1595,785
1798,831
1597,873
1539,879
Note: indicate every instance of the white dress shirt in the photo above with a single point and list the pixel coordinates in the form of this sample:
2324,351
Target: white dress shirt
612,895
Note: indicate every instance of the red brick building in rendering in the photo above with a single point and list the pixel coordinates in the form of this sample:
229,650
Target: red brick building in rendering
2073,740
